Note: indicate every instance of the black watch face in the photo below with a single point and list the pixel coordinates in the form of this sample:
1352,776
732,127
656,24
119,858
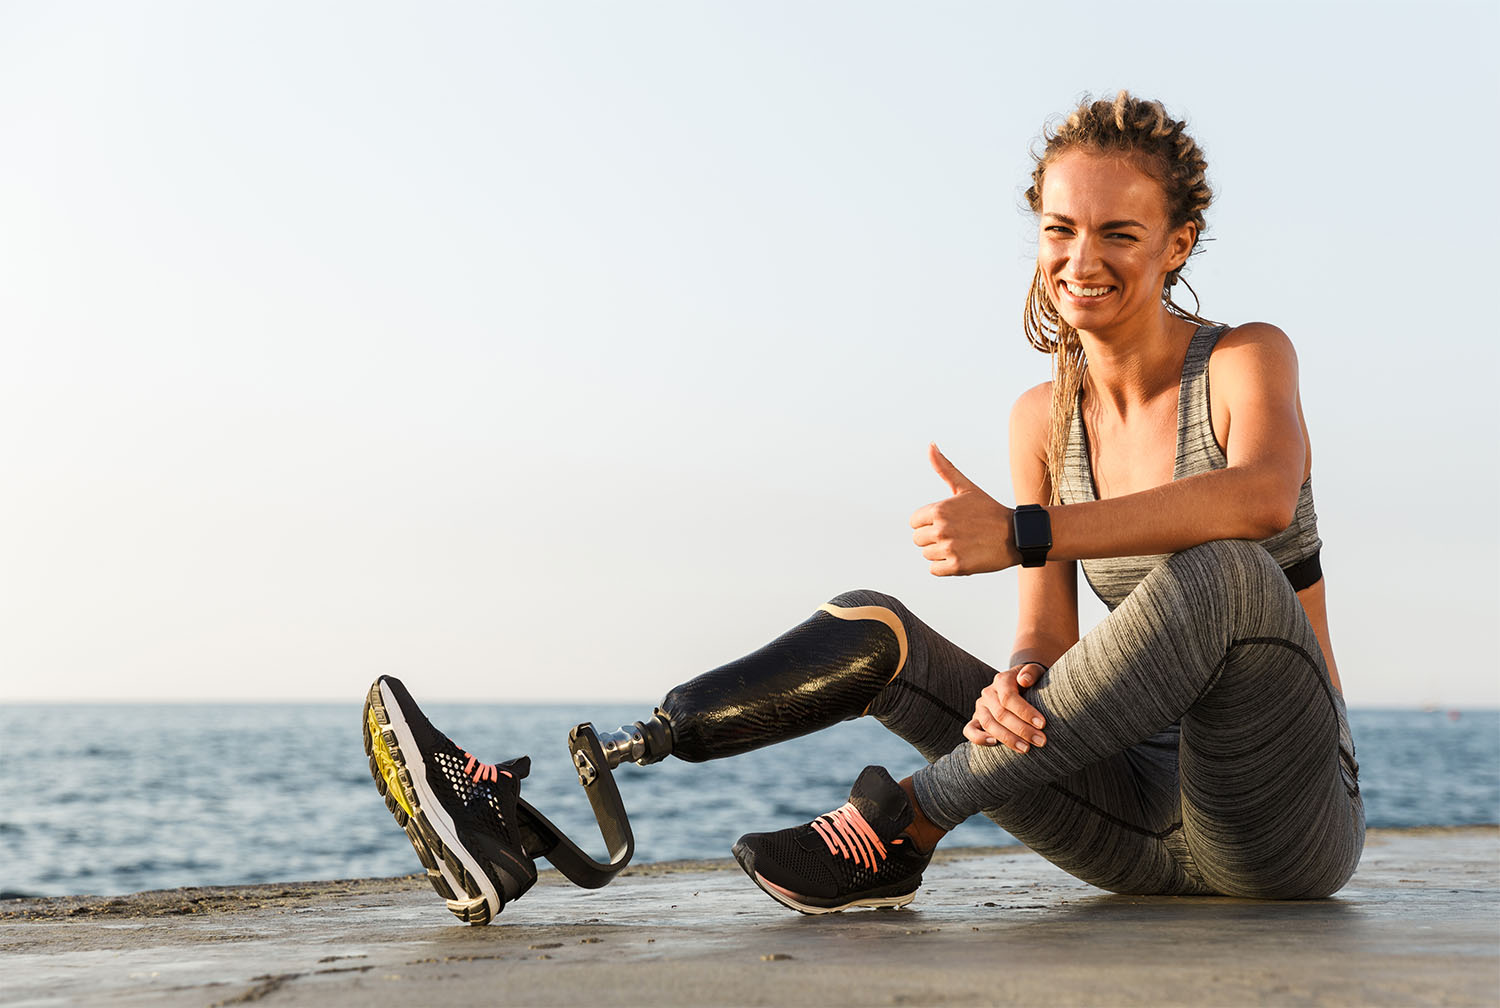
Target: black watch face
1033,529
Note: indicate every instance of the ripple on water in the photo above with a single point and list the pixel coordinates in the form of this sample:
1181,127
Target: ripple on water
181,795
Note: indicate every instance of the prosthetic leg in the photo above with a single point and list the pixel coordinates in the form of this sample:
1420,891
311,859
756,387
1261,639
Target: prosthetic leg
479,839
825,670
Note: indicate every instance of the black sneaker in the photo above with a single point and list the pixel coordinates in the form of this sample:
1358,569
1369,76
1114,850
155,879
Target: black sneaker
854,856
458,813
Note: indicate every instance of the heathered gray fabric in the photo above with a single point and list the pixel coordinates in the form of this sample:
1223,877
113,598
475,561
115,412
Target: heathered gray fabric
1194,741
1198,451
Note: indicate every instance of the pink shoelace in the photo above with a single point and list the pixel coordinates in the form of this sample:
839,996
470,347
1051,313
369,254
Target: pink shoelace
847,833
483,771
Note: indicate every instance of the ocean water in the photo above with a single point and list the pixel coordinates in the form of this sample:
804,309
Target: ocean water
112,799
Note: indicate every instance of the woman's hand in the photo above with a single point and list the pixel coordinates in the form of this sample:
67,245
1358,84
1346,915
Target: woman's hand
968,533
1001,714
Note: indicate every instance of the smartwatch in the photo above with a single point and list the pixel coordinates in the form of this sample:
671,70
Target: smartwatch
1033,530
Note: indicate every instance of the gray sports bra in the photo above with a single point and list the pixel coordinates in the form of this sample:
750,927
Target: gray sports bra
1295,548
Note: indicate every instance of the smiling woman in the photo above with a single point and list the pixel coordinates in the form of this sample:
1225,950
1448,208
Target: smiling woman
1158,171
1195,741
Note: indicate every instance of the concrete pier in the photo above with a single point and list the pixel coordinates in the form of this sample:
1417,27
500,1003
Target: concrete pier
1419,924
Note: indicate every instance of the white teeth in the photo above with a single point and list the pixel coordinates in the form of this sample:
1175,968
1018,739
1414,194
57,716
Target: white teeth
1085,291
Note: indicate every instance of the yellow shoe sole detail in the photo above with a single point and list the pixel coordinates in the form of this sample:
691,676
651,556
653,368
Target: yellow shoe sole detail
387,764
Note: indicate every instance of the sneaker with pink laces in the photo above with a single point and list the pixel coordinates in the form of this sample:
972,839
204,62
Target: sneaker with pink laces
855,856
460,814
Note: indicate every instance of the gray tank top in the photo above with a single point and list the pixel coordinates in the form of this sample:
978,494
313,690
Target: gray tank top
1296,548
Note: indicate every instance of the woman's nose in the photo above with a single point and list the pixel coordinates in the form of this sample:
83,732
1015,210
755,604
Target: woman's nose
1085,255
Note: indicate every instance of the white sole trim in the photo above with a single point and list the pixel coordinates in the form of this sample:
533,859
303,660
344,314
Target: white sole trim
786,899
432,809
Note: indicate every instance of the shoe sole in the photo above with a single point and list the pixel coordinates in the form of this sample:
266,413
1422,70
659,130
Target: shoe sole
400,775
794,901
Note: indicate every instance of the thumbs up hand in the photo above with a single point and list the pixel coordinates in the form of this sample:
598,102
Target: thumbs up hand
969,532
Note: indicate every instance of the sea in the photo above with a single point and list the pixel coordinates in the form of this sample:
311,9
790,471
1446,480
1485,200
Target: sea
113,799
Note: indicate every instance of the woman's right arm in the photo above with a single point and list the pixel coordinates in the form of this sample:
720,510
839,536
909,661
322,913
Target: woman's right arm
1047,620
1047,617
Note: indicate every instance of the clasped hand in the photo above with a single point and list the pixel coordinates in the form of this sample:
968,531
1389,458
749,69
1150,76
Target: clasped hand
1001,714
967,533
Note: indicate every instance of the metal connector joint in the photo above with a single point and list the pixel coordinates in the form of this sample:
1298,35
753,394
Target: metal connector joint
644,742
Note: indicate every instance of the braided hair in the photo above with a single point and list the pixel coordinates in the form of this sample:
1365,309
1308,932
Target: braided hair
1162,148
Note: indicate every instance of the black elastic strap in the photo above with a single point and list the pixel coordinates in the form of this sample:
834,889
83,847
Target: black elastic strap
1305,573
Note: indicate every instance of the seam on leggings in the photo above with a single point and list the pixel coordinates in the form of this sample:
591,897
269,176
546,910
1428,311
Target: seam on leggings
1123,823
1307,657
1213,678
931,698
1111,817
1322,681
1311,661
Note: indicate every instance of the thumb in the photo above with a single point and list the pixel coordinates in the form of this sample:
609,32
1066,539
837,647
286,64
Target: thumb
957,482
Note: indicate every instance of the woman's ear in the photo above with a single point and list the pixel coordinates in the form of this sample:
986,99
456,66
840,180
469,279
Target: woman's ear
1182,245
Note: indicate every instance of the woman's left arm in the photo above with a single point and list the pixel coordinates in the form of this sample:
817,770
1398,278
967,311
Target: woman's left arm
1253,374
1254,379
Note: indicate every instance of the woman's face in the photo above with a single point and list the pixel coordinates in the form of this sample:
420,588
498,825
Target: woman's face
1105,248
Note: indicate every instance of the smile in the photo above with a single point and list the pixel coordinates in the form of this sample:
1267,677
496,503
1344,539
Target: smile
1086,291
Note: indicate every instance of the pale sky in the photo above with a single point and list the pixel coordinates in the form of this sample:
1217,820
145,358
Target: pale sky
562,351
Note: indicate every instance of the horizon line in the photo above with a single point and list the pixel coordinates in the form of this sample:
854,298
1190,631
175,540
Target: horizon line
1422,708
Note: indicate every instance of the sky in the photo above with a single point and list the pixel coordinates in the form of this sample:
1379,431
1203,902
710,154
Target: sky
537,351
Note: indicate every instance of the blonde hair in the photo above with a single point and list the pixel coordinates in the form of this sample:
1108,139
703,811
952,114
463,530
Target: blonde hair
1162,148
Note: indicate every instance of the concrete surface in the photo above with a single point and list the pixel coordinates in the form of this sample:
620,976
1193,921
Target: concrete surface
1419,924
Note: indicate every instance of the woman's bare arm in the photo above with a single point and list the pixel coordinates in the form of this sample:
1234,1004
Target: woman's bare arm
1047,617
1254,497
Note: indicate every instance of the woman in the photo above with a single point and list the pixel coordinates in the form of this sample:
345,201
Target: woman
1196,740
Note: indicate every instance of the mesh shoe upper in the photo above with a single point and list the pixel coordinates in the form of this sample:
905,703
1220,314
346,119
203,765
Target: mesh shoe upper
478,801
464,789
855,854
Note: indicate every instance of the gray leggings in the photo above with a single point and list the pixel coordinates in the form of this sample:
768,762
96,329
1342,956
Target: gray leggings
1194,742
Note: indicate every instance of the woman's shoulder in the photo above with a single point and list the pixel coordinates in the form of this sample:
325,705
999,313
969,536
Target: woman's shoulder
1253,355
1254,334
1030,418
1032,406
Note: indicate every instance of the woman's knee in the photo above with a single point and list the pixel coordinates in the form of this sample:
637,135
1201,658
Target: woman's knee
1239,558
862,597
1228,569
